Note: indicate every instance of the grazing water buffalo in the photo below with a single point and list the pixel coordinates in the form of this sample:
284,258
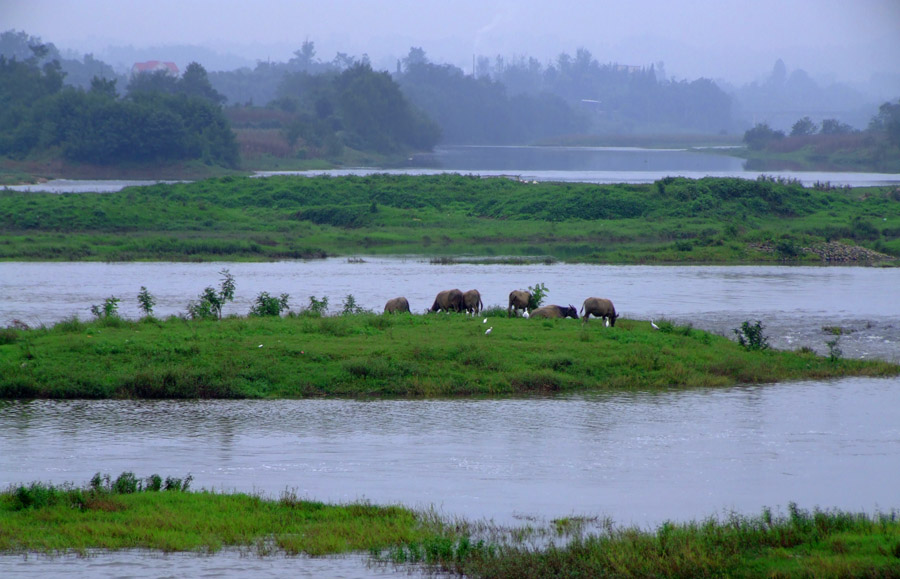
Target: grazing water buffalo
556,312
397,306
599,308
472,302
449,301
518,300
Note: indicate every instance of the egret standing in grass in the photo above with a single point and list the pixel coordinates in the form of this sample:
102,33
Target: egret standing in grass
487,332
485,321
525,315
655,327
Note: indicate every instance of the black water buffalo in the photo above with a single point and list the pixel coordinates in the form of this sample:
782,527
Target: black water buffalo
599,308
449,301
472,302
555,312
397,306
518,300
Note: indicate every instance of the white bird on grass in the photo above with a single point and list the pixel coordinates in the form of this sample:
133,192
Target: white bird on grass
487,332
525,315
655,327
485,321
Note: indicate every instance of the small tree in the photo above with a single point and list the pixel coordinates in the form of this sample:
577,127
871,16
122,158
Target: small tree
538,292
317,307
835,127
761,135
109,309
210,303
266,305
804,127
751,337
146,301
350,306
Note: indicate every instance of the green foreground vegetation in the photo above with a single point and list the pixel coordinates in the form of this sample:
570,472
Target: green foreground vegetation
675,220
132,513
371,355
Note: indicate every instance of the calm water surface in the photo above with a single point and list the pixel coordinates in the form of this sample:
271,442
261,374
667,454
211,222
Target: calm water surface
640,458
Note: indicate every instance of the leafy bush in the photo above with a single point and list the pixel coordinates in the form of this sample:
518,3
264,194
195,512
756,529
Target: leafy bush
350,306
317,307
538,292
109,309
751,337
266,305
146,301
210,303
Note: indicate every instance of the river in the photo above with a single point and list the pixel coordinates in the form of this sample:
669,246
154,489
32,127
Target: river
639,458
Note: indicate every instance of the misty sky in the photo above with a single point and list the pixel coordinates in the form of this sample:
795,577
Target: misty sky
735,40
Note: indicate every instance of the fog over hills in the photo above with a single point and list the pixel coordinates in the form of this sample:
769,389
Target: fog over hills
733,40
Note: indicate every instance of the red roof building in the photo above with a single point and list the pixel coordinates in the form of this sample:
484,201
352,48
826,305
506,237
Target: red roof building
153,66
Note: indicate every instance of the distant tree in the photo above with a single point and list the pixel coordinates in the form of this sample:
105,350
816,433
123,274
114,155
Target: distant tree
195,82
158,81
104,87
835,127
888,121
762,134
804,127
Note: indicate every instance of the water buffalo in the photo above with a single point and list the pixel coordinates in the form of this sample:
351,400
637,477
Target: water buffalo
397,306
599,308
472,302
449,301
518,300
556,312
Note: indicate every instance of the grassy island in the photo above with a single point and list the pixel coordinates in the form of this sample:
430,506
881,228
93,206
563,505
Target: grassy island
132,513
371,355
674,220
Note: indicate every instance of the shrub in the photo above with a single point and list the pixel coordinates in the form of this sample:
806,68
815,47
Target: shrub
146,301
751,337
538,292
266,305
109,309
317,307
210,303
350,306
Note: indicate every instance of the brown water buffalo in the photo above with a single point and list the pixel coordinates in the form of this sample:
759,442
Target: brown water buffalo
397,306
599,308
518,300
556,312
449,301
472,302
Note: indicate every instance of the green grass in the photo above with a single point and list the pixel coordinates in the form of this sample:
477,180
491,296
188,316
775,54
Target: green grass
369,355
50,519
675,220
131,513
828,544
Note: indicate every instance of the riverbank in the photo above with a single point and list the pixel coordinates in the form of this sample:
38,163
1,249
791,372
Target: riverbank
369,356
133,513
672,221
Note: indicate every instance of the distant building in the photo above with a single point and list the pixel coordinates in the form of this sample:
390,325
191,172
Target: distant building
154,66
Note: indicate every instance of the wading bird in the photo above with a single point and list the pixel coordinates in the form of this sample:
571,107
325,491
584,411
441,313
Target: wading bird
488,331
655,327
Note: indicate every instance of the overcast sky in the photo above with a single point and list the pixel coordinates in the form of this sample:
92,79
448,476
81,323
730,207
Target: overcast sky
737,40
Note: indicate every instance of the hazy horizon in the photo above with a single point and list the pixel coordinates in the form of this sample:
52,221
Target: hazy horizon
735,41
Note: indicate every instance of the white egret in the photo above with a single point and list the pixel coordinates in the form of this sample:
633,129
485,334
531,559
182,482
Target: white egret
485,321
526,315
655,327
488,331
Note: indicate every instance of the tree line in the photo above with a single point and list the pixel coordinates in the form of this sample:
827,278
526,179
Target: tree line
159,119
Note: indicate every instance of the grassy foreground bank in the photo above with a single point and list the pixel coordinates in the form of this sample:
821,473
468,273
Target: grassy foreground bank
371,355
130,513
